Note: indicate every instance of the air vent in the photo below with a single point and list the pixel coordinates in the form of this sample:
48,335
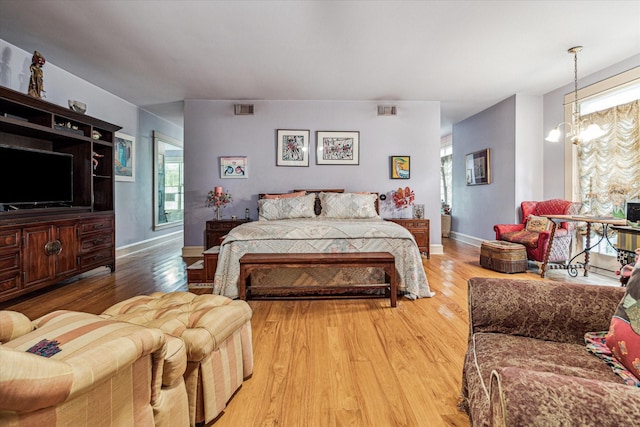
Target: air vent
387,110
243,109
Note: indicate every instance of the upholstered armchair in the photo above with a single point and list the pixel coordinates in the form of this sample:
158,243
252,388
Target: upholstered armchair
78,369
550,244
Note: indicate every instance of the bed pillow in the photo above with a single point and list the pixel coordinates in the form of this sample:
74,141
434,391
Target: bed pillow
538,224
624,331
284,195
348,205
287,208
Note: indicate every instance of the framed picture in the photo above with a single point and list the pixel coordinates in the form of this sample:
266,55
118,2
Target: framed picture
400,167
292,147
124,157
338,148
233,167
477,166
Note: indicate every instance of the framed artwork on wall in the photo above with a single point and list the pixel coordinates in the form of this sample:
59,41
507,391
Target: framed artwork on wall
400,167
292,147
337,148
477,166
233,167
124,157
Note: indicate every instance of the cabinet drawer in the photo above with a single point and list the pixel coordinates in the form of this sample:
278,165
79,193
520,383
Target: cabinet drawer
10,239
95,241
9,261
97,258
9,283
96,225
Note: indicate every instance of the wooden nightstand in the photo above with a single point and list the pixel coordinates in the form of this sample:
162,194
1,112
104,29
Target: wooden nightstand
420,230
217,229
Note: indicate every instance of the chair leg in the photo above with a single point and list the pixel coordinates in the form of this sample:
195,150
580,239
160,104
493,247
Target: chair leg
543,266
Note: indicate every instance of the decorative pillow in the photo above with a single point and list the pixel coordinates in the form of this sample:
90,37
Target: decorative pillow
287,208
284,195
538,224
348,205
624,331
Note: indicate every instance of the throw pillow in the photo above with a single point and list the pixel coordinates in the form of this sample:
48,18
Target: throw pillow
538,224
287,208
624,331
348,205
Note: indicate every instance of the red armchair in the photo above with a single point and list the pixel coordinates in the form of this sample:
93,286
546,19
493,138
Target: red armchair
545,246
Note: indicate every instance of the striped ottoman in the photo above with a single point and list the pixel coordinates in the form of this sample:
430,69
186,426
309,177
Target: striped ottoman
505,257
217,335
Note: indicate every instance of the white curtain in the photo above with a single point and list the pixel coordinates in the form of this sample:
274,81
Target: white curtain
609,166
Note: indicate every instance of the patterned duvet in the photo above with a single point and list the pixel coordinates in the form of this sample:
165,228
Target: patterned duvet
322,235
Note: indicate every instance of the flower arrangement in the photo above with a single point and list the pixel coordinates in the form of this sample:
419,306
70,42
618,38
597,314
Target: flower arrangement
218,199
403,198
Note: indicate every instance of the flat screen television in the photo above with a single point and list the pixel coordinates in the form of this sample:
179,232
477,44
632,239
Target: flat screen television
29,177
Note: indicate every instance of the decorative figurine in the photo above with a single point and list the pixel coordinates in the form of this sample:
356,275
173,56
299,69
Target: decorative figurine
36,86
94,159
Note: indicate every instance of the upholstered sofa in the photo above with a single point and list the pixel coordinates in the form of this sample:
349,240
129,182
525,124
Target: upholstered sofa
78,369
527,363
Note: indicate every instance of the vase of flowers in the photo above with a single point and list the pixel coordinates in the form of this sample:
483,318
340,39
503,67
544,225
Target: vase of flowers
218,199
403,198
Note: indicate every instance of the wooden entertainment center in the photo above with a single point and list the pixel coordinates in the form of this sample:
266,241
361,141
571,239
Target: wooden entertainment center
42,244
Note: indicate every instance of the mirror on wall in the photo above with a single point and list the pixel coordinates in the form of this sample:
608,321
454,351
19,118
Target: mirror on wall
168,182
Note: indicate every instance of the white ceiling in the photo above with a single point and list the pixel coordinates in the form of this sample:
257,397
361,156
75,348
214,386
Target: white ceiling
466,54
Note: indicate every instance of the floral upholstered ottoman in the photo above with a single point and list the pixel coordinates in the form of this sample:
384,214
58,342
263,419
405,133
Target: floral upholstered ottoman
217,335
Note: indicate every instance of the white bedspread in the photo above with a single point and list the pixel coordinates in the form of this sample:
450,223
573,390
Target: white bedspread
322,235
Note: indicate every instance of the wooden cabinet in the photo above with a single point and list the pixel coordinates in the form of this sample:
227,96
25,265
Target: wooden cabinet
419,228
49,251
42,243
218,229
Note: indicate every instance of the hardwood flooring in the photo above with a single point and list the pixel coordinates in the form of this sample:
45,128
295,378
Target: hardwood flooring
324,362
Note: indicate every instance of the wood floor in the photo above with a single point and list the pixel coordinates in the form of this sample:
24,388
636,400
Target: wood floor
324,362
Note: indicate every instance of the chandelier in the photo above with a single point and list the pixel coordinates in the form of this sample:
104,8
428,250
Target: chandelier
576,134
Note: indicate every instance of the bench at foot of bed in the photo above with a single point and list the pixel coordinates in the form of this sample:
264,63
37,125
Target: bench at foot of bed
255,261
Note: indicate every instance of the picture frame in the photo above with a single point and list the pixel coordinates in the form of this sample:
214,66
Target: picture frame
400,167
124,157
233,167
292,147
478,167
337,148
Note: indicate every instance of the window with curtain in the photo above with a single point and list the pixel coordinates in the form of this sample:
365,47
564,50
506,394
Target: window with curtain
609,166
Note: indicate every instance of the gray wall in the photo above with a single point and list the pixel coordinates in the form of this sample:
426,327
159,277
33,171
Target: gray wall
523,165
211,130
133,200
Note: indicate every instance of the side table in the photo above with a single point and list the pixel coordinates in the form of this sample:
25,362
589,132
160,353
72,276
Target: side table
419,228
216,230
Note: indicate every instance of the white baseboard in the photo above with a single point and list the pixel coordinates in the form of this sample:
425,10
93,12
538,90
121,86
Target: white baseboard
470,240
436,249
146,244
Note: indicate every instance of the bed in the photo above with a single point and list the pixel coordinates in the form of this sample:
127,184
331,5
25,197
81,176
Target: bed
329,221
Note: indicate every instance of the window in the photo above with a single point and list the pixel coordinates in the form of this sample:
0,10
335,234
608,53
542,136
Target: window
606,170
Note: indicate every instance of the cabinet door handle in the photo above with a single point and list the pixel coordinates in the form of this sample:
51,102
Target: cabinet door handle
53,248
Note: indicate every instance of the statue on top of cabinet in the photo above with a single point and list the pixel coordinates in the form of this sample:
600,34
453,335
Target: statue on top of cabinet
36,86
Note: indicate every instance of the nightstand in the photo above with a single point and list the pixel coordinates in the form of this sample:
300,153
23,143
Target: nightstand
419,228
216,230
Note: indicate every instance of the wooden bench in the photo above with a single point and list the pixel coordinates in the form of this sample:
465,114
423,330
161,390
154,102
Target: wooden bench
254,261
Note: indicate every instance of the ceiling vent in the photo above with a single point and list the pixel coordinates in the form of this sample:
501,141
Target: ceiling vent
243,109
387,110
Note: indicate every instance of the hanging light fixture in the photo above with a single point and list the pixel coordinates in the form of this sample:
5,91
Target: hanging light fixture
576,133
